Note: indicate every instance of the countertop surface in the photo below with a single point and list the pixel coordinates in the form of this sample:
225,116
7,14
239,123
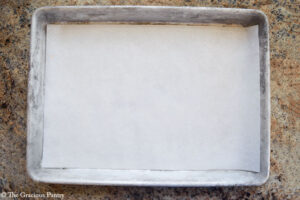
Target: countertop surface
284,181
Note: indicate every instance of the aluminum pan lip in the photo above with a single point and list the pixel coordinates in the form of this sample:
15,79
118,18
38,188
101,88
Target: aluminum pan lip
140,14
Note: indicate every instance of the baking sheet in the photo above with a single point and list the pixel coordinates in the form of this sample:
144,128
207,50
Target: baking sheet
169,97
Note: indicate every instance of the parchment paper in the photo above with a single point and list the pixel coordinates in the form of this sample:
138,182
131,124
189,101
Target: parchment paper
161,97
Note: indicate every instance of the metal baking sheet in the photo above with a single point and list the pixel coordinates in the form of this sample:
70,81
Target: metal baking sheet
55,164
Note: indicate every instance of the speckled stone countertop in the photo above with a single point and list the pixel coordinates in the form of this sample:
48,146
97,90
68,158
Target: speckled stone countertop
284,181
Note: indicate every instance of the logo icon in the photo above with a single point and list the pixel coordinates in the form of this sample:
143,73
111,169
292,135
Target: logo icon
3,194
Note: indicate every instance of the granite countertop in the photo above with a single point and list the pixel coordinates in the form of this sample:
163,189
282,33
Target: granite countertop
284,181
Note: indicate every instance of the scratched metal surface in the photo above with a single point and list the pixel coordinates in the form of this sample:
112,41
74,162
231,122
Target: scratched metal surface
140,14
